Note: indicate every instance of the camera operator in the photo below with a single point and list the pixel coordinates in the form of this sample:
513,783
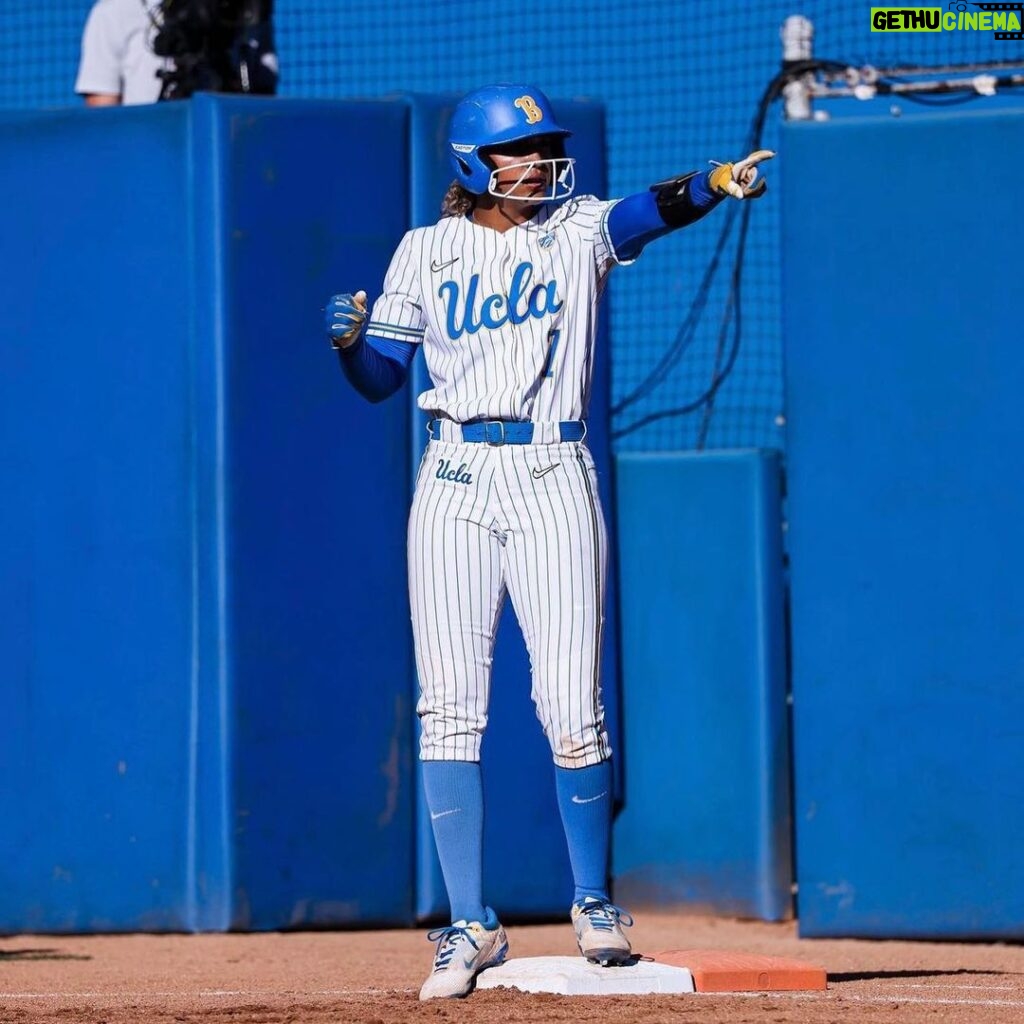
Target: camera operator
141,51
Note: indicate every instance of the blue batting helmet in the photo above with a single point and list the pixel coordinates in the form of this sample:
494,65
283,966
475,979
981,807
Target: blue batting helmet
489,117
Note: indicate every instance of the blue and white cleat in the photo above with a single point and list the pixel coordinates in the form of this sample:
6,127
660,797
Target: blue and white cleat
598,925
464,949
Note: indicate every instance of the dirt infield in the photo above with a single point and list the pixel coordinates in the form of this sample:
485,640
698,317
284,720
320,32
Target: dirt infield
374,977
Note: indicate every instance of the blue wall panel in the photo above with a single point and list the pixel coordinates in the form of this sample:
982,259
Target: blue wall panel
904,374
96,476
207,664
526,864
319,648
706,822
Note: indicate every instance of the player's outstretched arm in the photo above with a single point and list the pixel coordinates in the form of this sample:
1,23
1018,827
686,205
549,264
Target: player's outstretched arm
667,205
376,367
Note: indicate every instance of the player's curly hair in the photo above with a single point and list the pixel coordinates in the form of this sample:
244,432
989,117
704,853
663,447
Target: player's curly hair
457,201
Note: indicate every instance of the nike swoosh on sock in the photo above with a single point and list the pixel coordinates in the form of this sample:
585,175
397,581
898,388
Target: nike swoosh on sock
444,814
588,800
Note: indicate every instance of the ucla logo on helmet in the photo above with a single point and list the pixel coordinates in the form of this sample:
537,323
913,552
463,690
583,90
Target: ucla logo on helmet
528,105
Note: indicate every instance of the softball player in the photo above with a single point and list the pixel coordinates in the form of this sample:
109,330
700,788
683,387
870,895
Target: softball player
502,293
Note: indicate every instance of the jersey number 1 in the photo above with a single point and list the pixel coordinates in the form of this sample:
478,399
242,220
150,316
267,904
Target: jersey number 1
549,365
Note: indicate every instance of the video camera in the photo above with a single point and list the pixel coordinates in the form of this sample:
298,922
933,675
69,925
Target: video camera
216,46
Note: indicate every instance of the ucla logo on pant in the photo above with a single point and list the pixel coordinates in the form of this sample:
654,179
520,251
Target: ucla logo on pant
466,315
458,476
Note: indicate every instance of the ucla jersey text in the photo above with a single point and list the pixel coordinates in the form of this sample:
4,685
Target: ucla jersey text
464,314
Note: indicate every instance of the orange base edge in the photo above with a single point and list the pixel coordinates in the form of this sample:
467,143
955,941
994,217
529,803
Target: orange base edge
719,970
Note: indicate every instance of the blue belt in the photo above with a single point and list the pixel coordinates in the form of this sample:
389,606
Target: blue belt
498,432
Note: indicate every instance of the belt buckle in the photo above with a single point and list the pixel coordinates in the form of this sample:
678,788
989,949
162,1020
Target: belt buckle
487,433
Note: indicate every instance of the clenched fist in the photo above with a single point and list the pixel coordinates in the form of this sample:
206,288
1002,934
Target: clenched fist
344,318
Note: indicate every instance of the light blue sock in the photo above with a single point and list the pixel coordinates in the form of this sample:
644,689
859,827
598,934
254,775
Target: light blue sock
455,799
585,802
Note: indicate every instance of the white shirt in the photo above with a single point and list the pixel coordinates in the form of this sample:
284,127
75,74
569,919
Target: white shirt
507,319
117,54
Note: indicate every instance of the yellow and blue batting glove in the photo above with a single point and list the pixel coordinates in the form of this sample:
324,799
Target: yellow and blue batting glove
739,179
344,318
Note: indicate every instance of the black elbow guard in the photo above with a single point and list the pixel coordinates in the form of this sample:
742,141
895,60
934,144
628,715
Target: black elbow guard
676,203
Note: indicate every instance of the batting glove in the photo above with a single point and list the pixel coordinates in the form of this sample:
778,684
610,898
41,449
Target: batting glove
344,318
738,179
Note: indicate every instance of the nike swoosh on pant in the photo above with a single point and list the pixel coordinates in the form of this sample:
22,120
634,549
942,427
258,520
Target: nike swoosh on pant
538,473
589,799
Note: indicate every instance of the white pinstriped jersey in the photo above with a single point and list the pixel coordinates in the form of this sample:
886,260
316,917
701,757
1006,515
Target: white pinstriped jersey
507,319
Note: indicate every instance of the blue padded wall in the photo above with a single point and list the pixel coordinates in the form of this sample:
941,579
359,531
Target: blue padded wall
318,625
206,682
706,822
526,865
904,375
97,480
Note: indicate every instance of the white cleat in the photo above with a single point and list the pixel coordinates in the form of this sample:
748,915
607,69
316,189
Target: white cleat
464,949
598,925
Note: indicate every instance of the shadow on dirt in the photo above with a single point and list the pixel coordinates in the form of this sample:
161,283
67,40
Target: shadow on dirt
40,954
881,975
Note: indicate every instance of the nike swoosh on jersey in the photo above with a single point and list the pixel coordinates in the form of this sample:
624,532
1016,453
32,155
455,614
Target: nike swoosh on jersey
588,800
444,814
435,266
538,473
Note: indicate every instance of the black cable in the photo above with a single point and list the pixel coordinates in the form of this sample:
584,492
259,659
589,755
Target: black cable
732,304
732,311
685,334
961,92
907,70
791,71
952,101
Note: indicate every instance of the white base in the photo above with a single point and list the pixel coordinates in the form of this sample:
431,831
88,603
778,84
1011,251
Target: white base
574,976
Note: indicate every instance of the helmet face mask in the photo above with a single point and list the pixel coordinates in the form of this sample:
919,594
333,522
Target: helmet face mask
545,165
558,173
509,120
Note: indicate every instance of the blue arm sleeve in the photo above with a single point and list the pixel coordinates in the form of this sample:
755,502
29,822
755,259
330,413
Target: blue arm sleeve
377,367
636,220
